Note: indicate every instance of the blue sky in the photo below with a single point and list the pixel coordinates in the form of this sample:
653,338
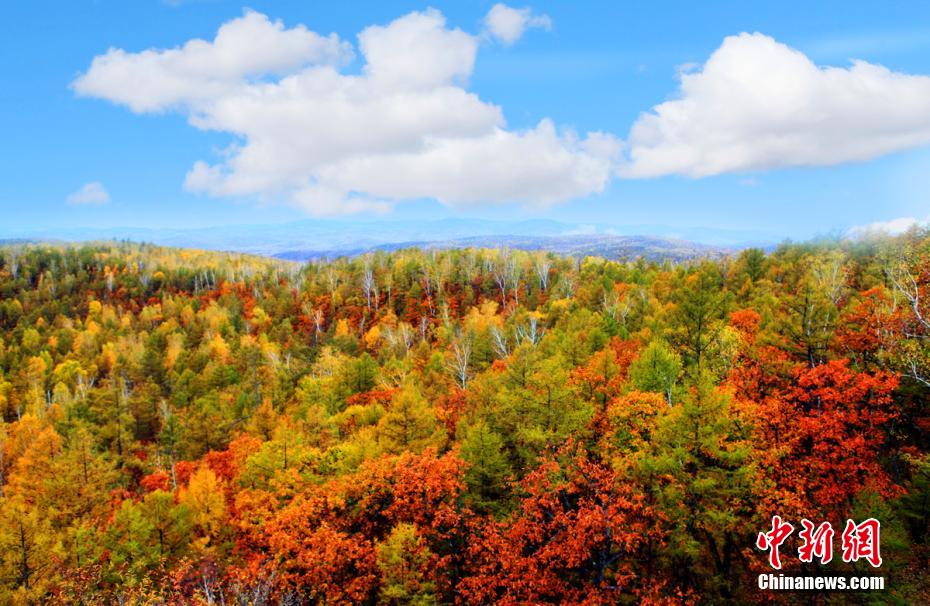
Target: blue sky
598,66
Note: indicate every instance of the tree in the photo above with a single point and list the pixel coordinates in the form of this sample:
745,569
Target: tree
409,423
459,360
577,537
536,406
27,543
488,468
915,503
697,319
170,523
657,370
909,274
403,560
697,466
203,496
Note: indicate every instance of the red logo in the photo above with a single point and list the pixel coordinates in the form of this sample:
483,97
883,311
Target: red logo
860,541
817,542
773,539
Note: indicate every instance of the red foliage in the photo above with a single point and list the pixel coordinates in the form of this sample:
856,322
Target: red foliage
819,435
573,540
183,470
318,563
155,481
374,396
746,322
602,378
449,409
865,327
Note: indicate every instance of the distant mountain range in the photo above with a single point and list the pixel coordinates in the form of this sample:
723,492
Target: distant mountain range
599,245
302,240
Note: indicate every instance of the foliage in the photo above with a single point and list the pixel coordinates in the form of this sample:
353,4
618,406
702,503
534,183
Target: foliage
467,426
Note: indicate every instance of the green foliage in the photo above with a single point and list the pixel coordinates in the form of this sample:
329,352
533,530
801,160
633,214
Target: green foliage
402,559
488,468
699,469
657,369
409,425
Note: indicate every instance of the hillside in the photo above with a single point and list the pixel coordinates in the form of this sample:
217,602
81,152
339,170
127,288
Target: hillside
192,427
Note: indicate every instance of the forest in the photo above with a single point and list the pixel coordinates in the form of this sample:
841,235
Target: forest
472,426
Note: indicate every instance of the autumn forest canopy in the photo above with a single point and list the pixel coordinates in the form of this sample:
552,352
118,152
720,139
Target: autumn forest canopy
463,426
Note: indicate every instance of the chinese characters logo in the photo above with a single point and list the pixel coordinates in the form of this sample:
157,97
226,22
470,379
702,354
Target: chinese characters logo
859,541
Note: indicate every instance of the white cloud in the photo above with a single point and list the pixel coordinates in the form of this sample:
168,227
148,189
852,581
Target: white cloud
417,51
507,25
892,228
310,134
90,193
313,130
248,47
757,104
492,167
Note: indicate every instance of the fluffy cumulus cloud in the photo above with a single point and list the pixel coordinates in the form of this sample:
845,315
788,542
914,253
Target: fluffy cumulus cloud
758,104
90,193
201,71
507,25
313,132
335,127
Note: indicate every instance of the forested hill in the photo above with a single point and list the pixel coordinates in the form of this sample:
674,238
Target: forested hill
455,426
